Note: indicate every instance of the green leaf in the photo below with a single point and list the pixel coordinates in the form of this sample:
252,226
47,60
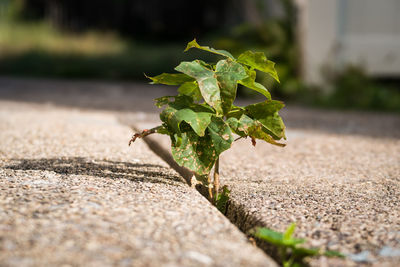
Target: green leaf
236,112
168,117
300,252
333,253
197,120
228,74
250,82
246,126
170,79
234,125
162,101
205,64
190,89
267,113
289,231
256,129
195,153
221,134
259,61
277,238
182,101
194,44
270,236
163,130
221,200
287,244
176,139
206,80
241,126
261,109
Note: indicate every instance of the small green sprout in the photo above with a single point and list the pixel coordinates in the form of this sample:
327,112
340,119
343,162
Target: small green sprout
221,199
290,253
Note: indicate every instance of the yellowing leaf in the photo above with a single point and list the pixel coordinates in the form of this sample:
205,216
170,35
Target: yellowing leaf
195,153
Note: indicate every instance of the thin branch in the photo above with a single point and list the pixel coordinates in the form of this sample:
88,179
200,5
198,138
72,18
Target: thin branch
240,137
144,133
210,187
253,141
216,178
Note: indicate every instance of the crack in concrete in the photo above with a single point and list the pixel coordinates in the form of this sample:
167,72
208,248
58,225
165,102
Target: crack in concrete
235,212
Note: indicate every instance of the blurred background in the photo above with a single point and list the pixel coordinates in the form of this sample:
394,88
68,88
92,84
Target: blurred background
329,53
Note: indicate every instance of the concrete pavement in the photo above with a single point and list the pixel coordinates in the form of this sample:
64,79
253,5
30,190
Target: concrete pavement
72,193
338,177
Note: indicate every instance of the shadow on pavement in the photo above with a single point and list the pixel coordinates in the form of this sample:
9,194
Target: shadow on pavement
100,168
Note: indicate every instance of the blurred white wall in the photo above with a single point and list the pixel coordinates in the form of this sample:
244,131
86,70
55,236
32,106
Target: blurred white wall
335,33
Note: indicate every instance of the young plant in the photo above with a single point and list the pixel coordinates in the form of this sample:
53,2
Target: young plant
290,253
222,199
202,118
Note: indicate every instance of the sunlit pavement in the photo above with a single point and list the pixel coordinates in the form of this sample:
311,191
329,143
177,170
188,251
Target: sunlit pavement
337,178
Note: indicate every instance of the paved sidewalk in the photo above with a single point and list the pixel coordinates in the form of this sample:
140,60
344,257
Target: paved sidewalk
342,190
338,177
72,193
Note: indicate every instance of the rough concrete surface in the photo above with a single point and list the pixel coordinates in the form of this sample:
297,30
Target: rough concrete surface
342,189
72,193
338,177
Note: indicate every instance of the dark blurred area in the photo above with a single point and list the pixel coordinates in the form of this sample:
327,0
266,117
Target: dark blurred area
119,39
123,39
140,19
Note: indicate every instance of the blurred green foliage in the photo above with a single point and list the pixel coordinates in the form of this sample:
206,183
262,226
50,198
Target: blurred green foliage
38,49
353,89
276,38
33,47
348,89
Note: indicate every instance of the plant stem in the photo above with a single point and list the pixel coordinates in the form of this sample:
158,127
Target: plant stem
210,189
144,133
282,253
237,139
216,178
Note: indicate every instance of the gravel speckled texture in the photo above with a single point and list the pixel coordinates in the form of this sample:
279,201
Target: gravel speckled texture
342,189
338,177
72,193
